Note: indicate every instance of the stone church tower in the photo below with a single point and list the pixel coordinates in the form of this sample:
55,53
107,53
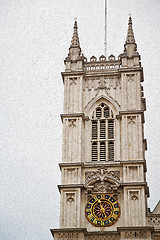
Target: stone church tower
103,171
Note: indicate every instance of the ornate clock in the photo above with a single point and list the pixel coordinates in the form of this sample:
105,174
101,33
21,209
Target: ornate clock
102,210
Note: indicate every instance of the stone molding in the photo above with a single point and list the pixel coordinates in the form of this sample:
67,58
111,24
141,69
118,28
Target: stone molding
69,186
131,112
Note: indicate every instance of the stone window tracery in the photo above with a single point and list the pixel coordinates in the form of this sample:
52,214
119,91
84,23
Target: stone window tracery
102,134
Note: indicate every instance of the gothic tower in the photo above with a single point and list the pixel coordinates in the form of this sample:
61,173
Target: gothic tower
103,171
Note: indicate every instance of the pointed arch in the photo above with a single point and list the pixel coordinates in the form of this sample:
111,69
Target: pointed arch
102,112
110,102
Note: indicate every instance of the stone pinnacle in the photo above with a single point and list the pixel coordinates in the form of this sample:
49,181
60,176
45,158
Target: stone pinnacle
130,35
75,38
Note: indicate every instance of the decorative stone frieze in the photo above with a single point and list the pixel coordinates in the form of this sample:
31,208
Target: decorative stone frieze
68,236
101,82
108,237
102,172
134,235
153,221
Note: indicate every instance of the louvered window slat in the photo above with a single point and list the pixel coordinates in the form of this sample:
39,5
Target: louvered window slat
106,112
110,151
98,113
94,152
102,151
103,133
102,130
110,129
94,130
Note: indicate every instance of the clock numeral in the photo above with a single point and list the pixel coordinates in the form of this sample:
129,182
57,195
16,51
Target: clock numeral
89,205
116,205
88,213
107,196
92,200
112,199
112,219
106,222
99,196
92,219
116,212
95,221
99,223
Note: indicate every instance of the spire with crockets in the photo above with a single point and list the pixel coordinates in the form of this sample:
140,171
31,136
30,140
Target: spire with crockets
130,35
130,57
130,46
75,38
74,60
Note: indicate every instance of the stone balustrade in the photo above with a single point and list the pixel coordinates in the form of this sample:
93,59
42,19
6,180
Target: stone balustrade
102,65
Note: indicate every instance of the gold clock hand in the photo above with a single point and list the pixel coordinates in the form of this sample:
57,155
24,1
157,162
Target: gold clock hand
103,210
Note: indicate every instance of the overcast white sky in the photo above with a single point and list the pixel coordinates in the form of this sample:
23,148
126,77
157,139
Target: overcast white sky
34,39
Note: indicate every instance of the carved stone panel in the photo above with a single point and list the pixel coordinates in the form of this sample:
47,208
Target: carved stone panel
73,80
134,210
102,172
102,181
109,86
69,214
71,139
70,197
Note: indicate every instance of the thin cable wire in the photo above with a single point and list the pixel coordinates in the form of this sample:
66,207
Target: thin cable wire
105,37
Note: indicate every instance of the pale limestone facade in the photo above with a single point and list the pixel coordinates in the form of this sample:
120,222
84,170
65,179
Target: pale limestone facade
116,165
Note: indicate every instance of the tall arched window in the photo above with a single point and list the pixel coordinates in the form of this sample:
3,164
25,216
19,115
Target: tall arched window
102,134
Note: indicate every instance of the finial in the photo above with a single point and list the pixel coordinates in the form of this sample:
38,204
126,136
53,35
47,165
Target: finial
75,38
130,34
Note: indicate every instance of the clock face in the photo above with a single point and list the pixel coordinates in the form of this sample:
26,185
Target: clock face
102,210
